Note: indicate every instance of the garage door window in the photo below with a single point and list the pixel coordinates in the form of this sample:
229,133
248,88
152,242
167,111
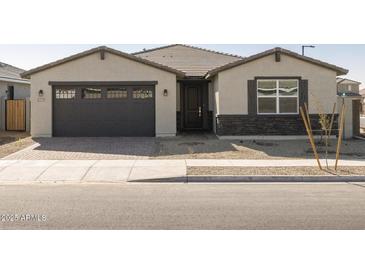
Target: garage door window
116,93
91,93
65,93
142,93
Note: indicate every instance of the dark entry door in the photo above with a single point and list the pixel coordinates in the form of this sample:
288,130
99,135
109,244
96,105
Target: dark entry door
356,117
193,107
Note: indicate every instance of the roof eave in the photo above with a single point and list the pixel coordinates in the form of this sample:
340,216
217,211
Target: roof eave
339,71
345,79
14,80
28,73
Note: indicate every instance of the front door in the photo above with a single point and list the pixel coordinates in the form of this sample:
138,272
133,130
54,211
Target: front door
193,106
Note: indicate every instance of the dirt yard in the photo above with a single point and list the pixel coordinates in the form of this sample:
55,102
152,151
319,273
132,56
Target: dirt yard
209,147
11,142
278,171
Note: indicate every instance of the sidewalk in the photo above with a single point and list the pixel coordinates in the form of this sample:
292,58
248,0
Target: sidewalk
23,171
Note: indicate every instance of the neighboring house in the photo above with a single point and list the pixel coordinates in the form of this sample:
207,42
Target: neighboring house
105,92
347,85
348,91
12,86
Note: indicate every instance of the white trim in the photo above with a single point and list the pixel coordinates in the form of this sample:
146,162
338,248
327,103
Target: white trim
11,80
165,135
277,97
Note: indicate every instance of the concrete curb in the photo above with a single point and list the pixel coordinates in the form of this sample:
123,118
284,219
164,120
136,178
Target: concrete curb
272,179
190,179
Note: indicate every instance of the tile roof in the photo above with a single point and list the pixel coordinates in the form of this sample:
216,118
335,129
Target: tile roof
193,61
341,80
339,70
10,73
100,49
190,61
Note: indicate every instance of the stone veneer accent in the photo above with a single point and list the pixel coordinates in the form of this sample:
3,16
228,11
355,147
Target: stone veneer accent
265,124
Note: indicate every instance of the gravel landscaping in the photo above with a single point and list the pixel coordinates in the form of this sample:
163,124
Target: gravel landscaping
279,171
209,147
11,142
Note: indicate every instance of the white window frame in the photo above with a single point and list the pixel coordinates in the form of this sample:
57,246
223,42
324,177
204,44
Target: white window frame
276,96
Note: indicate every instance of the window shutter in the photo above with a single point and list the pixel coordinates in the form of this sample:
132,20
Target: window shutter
303,92
252,97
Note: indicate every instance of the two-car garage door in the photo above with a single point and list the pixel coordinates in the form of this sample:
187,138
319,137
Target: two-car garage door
107,109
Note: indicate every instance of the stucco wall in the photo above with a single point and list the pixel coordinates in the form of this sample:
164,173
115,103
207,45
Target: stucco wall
215,94
112,68
232,84
348,131
21,91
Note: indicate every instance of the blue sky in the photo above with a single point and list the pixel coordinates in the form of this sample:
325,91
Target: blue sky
351,57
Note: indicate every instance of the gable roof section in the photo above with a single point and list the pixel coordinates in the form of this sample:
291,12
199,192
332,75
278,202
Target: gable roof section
101,49
187,46
339,70
193,61
347,81
11,74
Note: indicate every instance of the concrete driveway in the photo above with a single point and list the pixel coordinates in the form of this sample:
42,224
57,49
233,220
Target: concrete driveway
88,148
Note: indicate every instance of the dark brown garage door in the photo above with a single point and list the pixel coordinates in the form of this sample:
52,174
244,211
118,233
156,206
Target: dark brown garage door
104,110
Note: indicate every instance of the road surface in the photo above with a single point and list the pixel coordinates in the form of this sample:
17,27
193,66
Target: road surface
182,206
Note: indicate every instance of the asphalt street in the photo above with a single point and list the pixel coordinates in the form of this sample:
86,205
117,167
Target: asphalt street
182,206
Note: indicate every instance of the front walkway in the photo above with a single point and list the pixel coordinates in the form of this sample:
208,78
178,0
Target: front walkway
24,171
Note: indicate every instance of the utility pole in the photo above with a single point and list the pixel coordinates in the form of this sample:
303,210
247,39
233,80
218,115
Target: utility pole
307,46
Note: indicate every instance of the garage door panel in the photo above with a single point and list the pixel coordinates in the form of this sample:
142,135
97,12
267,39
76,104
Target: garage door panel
104,116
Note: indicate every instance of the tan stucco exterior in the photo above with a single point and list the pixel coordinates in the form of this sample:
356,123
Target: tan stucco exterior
21,91
231,85
93,68
348,129
227,88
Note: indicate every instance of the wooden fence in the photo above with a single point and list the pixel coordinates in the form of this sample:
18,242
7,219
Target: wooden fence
15,115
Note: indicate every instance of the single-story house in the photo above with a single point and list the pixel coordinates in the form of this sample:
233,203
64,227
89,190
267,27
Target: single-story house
162,91
13,87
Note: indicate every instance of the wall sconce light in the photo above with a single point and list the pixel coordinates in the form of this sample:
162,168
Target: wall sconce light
165,92
40,93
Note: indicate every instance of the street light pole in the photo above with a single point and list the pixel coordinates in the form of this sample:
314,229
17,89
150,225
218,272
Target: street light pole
304,46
